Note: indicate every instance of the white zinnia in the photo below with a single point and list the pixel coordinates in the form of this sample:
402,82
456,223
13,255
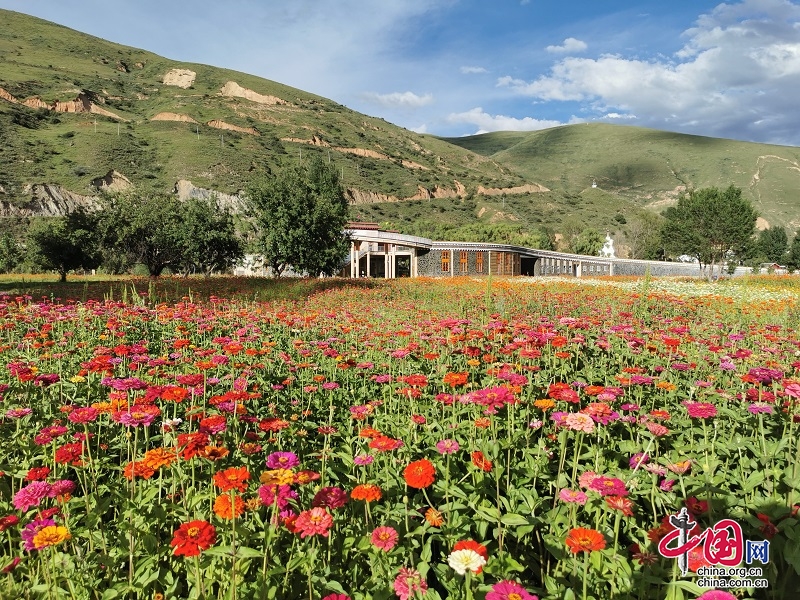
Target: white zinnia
465,560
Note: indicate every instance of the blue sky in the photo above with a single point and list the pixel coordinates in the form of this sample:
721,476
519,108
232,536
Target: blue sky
460,67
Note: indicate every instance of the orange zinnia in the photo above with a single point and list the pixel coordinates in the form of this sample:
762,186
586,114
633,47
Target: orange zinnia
369,492
585,540
420,474
234,478
455,379
225,508
434,517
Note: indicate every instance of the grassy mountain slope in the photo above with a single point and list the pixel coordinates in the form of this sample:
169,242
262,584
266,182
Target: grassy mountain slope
417,183
649,167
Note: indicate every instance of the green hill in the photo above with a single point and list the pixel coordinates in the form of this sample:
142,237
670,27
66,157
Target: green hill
74,107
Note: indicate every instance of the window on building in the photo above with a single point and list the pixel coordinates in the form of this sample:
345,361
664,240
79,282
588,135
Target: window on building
463,261
445,261
479,262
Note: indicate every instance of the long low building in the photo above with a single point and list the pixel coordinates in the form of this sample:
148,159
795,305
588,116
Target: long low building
375,252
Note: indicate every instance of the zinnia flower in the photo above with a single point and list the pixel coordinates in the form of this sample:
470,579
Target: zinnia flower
585,540
576,496
31,495
434,518
447,446
225,508
282,460
420,474
474,546
191,538
579,422
369,492
384,538
316,521
620,503
234,478
462,561
408,582
50,535
716,595
330,497
480,461
509,590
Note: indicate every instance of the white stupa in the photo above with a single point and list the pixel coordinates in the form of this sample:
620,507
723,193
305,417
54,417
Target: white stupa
607,251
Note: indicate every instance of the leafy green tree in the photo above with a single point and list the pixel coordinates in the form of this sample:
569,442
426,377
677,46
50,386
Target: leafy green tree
301,214
643,237
62,244
793,258
710,224
588,241
143,228
209,237
11,254
773,243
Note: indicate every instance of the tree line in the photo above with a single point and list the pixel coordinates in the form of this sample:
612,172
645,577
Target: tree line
294,218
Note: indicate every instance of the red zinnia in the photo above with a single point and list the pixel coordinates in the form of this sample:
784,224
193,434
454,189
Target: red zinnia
480,461
193,537
585,540
420,474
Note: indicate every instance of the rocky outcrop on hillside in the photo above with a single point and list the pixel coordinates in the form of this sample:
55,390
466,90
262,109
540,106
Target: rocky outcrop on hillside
531,188
363,197
233,89
185,190
48,201
113,181
170,116
182,78
84,103
216,123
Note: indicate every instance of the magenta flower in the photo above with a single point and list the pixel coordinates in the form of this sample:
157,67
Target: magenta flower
700,410
31,495
760,407
509,590
30,531
363,460
608,486
280,494
716,595
282,460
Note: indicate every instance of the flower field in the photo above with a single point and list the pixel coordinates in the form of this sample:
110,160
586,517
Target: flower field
404,439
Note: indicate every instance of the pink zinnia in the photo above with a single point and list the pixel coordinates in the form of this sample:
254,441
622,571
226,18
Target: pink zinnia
579,422
85,414
716,595
587,478
363,460
609,486
656,429
31,495
408,582
282,494
700,410
384,538
575,496
509,590
316,521
447,446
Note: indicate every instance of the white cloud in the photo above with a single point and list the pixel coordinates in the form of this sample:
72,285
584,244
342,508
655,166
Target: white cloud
735,76
471,70
486,122
399,99
569,46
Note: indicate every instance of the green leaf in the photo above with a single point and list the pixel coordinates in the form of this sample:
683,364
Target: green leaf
513,520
